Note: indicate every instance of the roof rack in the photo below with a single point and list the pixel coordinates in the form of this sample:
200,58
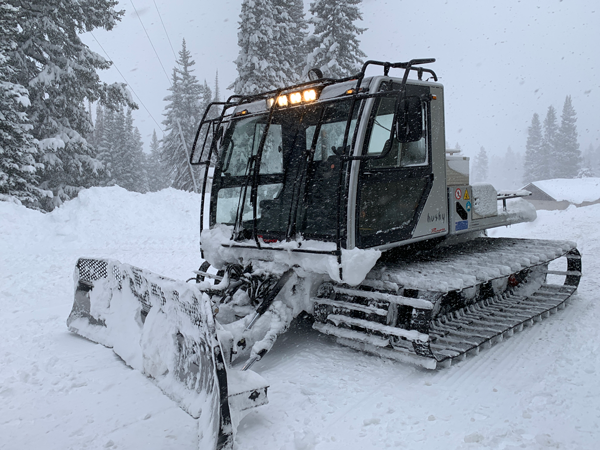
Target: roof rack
322,82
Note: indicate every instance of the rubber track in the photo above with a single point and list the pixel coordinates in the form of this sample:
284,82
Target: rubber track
467,330
478,326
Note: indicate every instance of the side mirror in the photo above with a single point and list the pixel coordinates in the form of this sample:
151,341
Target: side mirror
409,120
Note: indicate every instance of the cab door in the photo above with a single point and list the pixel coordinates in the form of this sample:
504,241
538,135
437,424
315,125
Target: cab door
392,190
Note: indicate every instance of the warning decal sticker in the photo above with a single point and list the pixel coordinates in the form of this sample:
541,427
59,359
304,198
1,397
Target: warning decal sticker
466,197
457,194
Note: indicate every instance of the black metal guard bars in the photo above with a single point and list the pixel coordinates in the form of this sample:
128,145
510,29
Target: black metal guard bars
407,66
236,100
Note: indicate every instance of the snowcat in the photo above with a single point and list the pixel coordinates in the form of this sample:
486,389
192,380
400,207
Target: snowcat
334,199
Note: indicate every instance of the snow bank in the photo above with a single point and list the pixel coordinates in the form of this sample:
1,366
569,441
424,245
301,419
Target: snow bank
58,391
575,191
106,212
524,210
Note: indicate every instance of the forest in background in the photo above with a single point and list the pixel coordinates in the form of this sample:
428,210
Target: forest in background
552,150
51,145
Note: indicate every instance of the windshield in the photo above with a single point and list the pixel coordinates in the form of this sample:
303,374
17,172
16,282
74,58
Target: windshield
297,186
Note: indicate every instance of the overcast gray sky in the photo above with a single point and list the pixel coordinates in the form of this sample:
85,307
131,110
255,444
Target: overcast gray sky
500,61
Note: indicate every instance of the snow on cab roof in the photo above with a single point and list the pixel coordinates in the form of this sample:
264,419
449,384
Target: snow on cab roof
575,191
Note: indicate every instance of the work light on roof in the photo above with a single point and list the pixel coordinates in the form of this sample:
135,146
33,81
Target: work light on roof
293,98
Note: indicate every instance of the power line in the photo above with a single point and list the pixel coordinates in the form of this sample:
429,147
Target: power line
164,28
150,40
163,68
128,84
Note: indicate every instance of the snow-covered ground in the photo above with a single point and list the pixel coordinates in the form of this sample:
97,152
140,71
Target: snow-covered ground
537,390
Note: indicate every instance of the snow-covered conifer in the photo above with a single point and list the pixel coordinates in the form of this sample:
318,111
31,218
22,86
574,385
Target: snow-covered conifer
120,150
18,177
155,167
533,166
217,94
568,156
480,168
291,38
512,169
183,113
133,165
265,61
334,46
96,137
108,142
60,73
548,159
591,160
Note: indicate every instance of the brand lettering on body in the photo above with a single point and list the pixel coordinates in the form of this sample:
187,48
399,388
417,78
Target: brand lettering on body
439,217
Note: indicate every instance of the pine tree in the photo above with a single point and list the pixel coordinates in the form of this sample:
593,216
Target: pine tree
133,176
334,46
568,156
217,96
109,142
96,137
480,168
263,62
548,155
183,113
18,177
120,149
513,168
591,161
60,73
534,163
155,167
292,36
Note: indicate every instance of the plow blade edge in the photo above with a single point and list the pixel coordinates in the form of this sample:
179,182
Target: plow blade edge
165,329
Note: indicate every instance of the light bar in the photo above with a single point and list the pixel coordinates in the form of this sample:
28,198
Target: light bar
294,98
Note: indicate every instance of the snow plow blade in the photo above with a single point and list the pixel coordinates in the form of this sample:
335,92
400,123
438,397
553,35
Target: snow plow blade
165,329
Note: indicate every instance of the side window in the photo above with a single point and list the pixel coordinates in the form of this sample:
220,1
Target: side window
400,154
382,126
415,153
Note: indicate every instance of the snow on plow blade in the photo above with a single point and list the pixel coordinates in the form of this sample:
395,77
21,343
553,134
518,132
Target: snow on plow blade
165,329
